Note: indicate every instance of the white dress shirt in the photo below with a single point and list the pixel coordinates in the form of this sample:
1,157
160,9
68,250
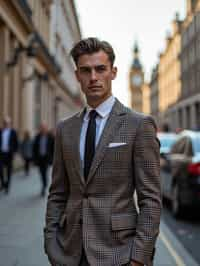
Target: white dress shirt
5,140
103,111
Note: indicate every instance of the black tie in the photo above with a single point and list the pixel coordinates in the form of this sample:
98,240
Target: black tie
90,143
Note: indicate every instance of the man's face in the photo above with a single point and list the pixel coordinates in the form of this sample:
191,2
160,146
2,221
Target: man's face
6,123
95,74
43,128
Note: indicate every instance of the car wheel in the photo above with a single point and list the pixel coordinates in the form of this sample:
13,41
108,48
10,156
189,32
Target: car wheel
176,204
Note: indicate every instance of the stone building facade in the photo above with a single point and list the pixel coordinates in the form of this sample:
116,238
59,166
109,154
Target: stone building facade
178,74
169,70
31,86
65,31
188,107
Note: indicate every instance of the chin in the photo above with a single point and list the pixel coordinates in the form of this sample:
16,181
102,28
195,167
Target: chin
94,95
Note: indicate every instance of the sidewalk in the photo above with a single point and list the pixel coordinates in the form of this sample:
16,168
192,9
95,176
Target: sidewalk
21,223
21,227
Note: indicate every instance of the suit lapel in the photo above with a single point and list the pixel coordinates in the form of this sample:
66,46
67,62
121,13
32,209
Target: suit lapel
113,123
75,138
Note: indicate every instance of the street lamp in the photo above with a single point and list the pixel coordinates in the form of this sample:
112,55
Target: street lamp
30,50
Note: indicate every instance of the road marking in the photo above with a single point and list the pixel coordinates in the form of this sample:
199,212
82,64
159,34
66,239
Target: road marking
176,257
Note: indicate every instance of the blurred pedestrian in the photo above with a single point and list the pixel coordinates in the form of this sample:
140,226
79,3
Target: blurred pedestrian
8,148
26,150
43,153
102,156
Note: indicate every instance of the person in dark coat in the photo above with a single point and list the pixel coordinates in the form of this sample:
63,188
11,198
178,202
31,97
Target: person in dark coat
8,148
26,150
43,153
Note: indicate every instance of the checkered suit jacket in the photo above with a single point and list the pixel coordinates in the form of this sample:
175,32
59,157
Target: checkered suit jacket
100,214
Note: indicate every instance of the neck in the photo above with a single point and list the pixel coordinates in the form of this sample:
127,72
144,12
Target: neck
94,103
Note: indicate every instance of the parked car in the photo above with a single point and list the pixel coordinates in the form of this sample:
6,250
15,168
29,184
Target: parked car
166,141
180,171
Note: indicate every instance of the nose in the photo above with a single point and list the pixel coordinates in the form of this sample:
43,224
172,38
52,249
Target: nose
93,75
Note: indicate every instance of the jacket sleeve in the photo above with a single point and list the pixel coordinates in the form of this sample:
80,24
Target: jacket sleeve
58,191
146,160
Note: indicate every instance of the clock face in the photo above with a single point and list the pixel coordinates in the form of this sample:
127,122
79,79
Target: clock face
137,80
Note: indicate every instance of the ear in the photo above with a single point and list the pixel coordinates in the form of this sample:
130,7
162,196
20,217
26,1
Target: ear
114,72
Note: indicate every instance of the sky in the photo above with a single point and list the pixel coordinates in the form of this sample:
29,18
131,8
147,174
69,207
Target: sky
122,22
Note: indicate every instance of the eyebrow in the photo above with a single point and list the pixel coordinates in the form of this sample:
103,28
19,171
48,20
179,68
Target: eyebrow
95,66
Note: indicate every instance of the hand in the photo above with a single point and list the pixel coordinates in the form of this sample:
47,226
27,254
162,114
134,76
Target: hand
135,263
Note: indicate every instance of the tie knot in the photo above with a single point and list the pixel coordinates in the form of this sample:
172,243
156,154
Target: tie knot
93,114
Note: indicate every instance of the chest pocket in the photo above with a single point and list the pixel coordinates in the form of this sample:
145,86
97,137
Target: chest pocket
118,153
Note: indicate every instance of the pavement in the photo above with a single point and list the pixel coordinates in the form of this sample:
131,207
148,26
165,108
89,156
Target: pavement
22,215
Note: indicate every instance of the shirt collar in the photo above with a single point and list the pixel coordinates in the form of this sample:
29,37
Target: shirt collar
103,109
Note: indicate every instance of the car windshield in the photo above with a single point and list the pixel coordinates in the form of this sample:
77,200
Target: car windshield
196,144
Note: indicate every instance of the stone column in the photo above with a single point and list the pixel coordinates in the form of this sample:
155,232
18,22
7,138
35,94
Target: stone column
2,70
15,92
28,99
6,88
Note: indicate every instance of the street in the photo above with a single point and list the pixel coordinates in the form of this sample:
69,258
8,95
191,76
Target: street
187,230
22,220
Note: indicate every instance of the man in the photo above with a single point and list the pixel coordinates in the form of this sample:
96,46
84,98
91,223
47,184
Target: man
8,147
102,156
43,146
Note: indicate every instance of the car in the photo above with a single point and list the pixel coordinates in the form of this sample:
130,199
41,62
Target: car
166,139
180,172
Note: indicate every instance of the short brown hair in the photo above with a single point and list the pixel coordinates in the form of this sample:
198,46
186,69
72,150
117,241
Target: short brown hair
92,45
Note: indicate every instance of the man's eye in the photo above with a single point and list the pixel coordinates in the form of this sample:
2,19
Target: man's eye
100,68
85,70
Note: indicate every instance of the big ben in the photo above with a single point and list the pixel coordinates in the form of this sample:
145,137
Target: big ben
136,80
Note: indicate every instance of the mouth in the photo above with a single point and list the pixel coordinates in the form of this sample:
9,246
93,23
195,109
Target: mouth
94,87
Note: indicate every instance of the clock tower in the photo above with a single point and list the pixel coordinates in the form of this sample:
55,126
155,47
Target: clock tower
136,80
